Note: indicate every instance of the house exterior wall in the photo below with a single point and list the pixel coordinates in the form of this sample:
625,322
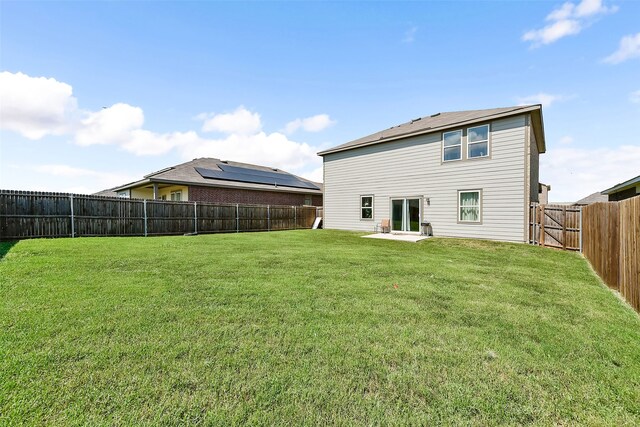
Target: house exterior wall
413,167
147,193
232,195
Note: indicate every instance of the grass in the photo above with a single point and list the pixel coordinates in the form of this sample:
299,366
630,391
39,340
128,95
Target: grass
310,327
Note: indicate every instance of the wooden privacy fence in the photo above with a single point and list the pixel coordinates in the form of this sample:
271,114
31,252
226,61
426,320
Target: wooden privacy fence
555,226
607,234
611,238
28,214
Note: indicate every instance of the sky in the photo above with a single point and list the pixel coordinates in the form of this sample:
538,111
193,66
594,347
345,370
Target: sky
98,94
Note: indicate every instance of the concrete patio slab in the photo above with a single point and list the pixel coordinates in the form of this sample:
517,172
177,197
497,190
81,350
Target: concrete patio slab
400,237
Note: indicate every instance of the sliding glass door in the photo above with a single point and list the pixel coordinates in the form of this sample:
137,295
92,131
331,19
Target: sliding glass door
405,215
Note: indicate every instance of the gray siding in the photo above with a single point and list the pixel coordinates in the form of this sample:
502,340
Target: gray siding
413,167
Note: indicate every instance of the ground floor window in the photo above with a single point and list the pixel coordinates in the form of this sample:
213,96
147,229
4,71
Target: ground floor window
176,196
469,206
366,207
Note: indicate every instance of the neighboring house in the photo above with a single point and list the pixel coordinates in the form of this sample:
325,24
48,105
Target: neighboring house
624,190
468,173
543,193
218,181
592,198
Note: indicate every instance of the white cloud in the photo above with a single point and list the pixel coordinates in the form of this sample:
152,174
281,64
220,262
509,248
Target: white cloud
111,125
410,35
566,140
566,20
553,32
629,48
635,97
49,108
273,149
546,99
577,172
315,123
241,121
35,106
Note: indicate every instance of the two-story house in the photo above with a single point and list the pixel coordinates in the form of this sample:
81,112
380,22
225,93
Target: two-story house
467,173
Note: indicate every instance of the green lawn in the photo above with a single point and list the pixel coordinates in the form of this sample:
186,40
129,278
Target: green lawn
310,327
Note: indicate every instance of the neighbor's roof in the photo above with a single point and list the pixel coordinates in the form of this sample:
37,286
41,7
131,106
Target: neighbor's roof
592,198
186,174
621,186
441,121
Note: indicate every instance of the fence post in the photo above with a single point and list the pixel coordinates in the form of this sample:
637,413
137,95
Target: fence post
564,227
195,217
237,218
580,229
268,218
295,218
144,203
542,221
73,228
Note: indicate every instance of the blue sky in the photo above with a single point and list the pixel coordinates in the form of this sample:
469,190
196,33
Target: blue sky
275,82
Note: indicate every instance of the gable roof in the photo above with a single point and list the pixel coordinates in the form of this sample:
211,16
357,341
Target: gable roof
441,121
592,198
191,173
622,185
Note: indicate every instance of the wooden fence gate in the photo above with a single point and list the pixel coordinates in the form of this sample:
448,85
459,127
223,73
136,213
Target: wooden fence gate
555,226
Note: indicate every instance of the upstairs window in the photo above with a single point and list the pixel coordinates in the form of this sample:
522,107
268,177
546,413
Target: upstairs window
452,145
478,141
366,207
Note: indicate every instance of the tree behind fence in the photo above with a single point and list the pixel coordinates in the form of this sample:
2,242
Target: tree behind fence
29,214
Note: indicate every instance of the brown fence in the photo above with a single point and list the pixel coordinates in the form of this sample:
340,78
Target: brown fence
28,214
607,233
611,239
555,226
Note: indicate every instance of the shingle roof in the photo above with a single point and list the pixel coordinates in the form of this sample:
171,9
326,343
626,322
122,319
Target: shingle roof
434,123
592,198
186,173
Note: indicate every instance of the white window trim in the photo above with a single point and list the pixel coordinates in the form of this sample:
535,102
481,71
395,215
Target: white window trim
469,144
479,221
176,192
362,207
451,146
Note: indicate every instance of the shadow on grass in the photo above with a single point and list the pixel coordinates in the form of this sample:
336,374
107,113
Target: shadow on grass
5,247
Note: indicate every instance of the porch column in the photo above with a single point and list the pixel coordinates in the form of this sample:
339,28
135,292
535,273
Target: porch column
156,192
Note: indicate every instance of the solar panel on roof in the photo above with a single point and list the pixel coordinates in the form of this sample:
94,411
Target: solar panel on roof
255,176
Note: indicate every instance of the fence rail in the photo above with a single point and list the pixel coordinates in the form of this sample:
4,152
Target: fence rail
30,214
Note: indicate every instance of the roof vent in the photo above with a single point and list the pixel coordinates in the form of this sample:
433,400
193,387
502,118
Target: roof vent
435,115
226,162
415,120
274,169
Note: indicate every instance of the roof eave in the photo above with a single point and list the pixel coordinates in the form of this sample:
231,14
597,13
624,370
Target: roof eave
282,189
622,186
